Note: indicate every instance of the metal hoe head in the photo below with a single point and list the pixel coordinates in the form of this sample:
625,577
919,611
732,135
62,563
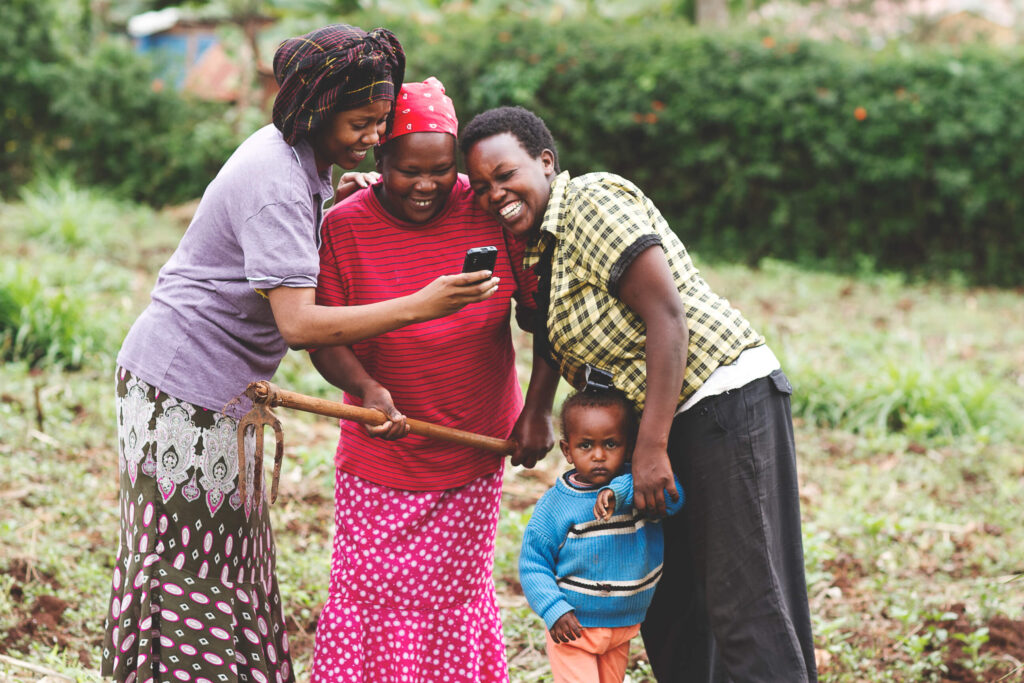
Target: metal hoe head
259,417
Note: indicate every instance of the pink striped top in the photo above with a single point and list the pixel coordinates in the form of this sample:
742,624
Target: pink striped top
457,371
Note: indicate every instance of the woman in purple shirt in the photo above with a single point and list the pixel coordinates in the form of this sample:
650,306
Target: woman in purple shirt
194,594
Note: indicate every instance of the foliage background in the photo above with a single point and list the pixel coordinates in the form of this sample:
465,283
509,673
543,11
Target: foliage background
894,165
754,144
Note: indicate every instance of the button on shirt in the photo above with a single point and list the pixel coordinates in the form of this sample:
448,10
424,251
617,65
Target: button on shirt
594,227
208,332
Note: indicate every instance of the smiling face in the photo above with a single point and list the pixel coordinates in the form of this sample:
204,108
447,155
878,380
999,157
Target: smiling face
596,442
509,184
418,172
349,134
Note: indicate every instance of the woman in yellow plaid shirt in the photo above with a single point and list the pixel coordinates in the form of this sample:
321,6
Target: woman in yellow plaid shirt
613,308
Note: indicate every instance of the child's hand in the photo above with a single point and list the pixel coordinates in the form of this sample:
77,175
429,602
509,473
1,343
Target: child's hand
605,505
566,629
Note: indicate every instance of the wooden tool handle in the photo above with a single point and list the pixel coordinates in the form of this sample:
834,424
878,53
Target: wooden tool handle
275,396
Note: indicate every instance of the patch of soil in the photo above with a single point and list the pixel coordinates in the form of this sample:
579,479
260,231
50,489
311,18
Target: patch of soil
846,571
24,571
42,623
301,635
1005,642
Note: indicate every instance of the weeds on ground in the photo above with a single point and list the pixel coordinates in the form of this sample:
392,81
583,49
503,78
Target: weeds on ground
908,432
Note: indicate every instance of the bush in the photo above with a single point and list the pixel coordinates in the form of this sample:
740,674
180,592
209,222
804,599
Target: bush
822,154
116,127
43,325
30,54
95,110
827,155
904,397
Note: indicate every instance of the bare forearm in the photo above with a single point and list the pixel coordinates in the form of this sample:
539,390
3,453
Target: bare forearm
540,394
533,432
307,325
648,289
666,346
304,324
340,366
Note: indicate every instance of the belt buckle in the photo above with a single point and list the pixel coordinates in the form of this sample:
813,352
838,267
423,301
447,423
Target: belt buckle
596,379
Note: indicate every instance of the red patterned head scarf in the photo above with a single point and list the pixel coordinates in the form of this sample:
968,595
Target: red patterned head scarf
423,108
331,69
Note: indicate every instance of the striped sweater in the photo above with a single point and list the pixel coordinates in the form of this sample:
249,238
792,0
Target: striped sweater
604,570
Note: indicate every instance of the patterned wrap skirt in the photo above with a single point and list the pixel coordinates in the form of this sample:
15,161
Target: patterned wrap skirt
412,597
194,595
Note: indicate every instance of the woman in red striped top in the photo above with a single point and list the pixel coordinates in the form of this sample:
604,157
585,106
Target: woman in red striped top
411,594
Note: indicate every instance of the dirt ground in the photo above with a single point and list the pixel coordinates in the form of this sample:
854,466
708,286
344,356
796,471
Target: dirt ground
41,619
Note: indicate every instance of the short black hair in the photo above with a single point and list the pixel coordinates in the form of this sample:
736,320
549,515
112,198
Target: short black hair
523,124
602,398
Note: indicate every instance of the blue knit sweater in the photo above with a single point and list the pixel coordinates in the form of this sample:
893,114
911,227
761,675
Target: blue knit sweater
604,570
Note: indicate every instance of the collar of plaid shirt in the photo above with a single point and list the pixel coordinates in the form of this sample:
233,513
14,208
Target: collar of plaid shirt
550,226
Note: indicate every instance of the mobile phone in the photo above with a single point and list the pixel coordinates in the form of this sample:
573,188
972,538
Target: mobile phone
480,258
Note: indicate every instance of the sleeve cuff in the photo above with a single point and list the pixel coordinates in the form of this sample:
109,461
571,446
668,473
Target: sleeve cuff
272,282
622,487
627,257
555,612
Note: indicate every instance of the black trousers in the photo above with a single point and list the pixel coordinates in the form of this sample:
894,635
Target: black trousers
732,602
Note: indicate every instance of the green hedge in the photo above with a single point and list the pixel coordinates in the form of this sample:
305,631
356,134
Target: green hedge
93,110
905,159
830,156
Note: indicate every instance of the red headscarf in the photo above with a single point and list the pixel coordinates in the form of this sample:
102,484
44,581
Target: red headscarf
423,108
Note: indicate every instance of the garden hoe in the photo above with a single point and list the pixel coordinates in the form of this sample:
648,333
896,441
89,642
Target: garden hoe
265,395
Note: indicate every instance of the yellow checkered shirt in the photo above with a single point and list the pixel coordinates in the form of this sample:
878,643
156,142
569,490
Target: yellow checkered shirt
594,227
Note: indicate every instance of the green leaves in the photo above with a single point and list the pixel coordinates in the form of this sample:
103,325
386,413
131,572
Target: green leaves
757,146
40,325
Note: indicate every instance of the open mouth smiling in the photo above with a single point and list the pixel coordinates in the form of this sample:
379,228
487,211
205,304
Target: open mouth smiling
510,211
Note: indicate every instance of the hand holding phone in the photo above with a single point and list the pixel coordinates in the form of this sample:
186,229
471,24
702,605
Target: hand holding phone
480,258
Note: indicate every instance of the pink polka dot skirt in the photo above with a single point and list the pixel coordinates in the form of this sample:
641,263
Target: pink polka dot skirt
412,597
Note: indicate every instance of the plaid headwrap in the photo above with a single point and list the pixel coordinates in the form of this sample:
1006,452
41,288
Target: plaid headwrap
331,69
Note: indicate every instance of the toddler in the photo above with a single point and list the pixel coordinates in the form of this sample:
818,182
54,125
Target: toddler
589,562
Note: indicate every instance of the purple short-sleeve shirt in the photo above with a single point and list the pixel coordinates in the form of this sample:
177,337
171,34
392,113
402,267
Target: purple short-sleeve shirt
207,331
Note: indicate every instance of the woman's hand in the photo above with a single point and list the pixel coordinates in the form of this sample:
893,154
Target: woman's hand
533,431
449,293
379,398
342,368
605,505
351,182
534,435
652,479
566,629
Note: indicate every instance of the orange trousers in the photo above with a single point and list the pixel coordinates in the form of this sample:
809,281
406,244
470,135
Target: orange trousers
600,655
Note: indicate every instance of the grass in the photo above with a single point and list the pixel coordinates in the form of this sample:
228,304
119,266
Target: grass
909,408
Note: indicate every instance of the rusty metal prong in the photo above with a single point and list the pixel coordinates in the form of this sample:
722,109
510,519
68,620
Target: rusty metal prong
241,457
257,473
249,419
278,458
